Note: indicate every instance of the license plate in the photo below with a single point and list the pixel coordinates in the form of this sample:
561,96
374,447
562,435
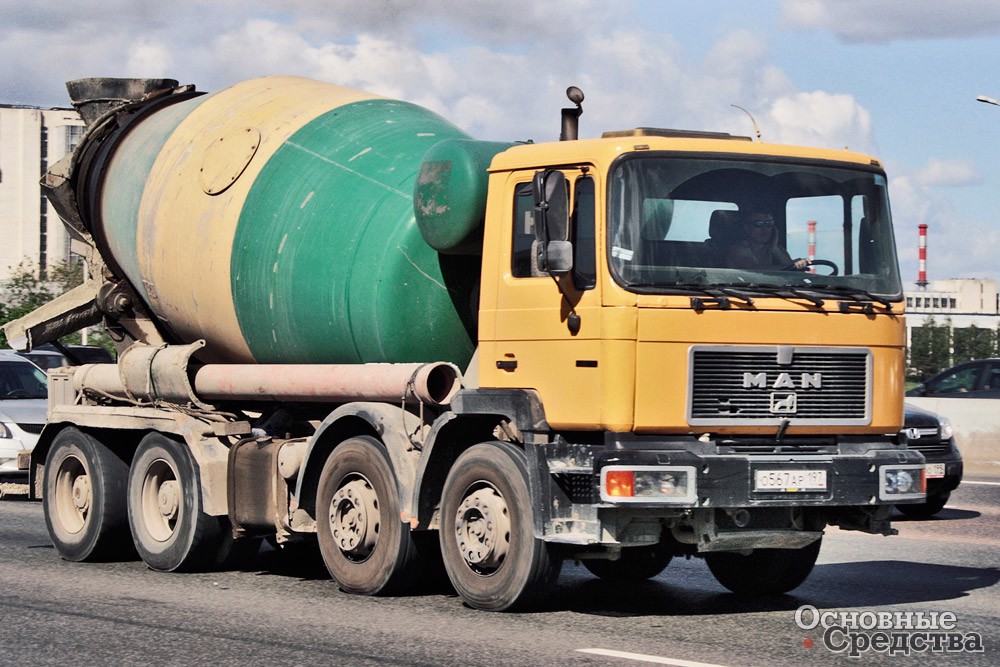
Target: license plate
935,470
789,481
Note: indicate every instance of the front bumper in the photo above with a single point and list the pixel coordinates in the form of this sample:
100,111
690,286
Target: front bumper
728,480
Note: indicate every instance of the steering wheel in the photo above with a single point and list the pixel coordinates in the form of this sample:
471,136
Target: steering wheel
835,270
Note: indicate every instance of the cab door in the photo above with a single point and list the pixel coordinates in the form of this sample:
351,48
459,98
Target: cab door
547,330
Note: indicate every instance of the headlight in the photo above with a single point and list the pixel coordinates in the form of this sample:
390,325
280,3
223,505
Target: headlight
946,430
900,482
5,432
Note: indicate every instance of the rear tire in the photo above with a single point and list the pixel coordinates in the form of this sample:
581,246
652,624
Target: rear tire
84,500
170,529
488,542
764,571
366,547
635,564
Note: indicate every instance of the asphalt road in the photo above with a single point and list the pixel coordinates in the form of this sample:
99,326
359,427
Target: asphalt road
286,611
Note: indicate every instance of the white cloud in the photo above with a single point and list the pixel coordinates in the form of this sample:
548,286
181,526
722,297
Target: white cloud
822,119
497,71
149,58
948,173
887,20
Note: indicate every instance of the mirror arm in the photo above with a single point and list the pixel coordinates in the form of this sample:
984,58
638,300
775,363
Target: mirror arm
573,320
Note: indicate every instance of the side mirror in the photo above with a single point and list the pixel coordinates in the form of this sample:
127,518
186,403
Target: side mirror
551,208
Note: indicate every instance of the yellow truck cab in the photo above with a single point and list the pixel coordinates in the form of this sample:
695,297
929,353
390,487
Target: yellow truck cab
687,400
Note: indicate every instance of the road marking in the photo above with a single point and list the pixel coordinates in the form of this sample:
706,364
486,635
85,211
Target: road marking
645,658
968,481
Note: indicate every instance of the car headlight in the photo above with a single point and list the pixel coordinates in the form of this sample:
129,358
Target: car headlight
946,430
5,432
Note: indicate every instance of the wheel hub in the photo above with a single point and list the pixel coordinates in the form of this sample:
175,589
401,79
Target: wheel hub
168,499
355,519
482,527
81,494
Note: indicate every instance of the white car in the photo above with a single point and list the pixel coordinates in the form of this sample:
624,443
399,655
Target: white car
23,404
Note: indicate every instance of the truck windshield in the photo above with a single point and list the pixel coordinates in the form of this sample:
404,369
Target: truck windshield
684,223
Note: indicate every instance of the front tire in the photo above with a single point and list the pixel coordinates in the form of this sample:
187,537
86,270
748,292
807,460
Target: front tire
84,501
170,529
366,547
635,564
488,542
764,571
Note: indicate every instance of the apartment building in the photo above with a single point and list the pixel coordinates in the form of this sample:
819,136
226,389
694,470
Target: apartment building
32,139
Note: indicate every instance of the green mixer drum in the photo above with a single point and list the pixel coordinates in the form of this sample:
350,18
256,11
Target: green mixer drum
277,223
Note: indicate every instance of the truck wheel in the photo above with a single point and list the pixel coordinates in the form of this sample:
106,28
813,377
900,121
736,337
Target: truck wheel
366,547
170,530
925,510
84,501
635,564
488,542
764,571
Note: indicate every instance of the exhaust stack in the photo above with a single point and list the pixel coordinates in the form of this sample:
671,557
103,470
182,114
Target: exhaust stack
571,116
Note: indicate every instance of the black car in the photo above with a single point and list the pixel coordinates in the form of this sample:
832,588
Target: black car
931,435
969,379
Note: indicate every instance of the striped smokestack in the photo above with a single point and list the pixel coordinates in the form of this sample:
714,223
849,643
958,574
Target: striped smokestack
811,250
922,257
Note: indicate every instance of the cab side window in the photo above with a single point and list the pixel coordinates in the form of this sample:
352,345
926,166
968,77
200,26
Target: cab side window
524,231
582,233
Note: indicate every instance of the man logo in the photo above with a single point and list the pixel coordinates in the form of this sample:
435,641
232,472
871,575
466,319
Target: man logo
783,381
784,404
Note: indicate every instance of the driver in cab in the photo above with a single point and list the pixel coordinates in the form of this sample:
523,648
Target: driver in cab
759,247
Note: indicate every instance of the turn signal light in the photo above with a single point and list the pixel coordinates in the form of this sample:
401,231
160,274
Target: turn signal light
648,484
620,483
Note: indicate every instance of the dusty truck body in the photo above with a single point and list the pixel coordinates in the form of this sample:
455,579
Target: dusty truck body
297,272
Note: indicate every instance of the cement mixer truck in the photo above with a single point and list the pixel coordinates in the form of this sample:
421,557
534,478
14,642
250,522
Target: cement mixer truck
342,320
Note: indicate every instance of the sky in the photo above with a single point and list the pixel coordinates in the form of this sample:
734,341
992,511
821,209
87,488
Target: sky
894,78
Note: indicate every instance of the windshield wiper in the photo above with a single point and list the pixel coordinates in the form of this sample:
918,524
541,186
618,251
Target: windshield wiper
783,292
855,294
718,295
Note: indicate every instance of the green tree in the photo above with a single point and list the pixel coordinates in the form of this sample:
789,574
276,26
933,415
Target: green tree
25,291
930,349
974,343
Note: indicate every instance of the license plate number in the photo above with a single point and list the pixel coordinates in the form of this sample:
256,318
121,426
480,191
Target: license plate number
790,481
935,470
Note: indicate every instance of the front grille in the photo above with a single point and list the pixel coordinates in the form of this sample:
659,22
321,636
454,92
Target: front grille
767,385
31,428
935,447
